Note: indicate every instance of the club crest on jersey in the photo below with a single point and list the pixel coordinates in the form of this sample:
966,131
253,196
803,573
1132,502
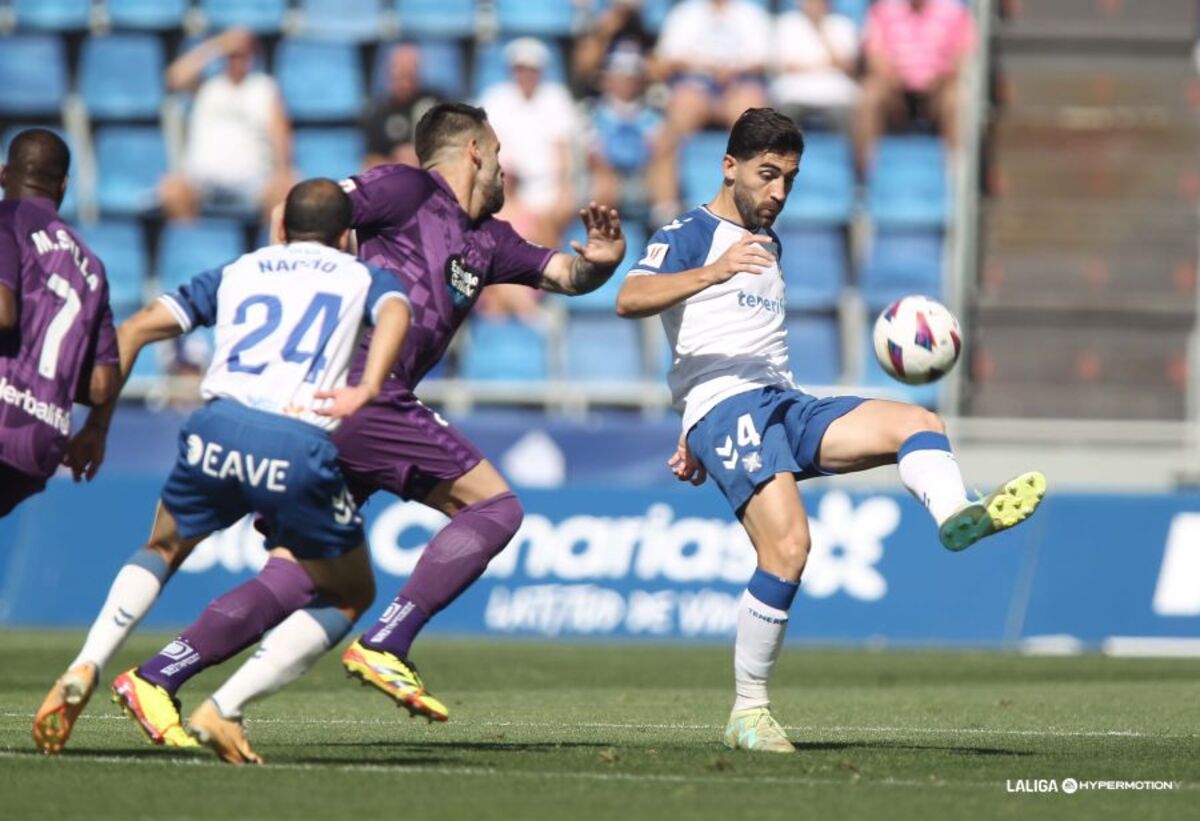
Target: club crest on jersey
656,252
462,281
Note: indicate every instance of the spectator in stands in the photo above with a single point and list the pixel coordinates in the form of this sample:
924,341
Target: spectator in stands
629,156
715,52
619,27
815,56
536,123
915,50
237,155
389,121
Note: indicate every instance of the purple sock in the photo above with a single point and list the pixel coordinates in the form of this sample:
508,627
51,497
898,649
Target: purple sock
452,561
231,623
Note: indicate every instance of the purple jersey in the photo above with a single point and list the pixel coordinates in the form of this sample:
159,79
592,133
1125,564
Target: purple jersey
409,222
64,328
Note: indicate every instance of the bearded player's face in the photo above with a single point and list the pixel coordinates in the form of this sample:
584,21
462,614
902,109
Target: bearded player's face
490,177
761,186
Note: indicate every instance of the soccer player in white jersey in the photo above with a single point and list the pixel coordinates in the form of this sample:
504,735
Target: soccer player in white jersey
288,319
713,276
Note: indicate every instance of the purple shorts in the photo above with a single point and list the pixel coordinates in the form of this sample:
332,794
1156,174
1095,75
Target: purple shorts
16,487
403,447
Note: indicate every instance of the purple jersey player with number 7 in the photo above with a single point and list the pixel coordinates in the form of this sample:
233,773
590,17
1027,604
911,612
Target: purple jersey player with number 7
57,343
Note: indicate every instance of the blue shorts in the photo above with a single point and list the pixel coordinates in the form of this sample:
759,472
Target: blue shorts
234,460
748,438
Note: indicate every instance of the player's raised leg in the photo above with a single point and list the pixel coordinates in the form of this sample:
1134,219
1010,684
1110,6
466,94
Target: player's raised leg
776,522
879,432
135,588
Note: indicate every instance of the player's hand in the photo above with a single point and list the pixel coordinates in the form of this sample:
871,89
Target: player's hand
605,239
344,401
686,466
85,453
746,256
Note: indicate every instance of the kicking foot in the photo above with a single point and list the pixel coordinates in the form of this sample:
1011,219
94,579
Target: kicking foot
154,709
224,736
395,677
56,717
756,729
1011,503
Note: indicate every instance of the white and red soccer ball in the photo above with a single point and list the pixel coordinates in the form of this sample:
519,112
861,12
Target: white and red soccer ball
917,340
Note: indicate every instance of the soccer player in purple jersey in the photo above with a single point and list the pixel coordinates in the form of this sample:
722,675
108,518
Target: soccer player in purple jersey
57,343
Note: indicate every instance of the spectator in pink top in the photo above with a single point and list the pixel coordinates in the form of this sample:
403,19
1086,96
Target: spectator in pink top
914,50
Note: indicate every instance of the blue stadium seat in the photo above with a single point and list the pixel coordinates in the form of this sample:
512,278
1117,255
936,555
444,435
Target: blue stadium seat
814,349
436,18
53,15
70,203
491,69
604,298
856,10
263,16
700,166
121,76
320,81
186,249
443,68
654,12
357,21
504,349
33,76
874,376
824,189
902,262
328,152
130,161
542,18
814,265
603,348
148,15
122,248
907,186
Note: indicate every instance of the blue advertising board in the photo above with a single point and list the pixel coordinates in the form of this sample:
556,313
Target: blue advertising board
670,563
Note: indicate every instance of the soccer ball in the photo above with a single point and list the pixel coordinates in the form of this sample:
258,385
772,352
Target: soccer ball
917,340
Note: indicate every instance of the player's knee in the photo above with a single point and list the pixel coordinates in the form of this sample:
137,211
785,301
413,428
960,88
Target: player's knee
791,552
172,551
505,511
916,419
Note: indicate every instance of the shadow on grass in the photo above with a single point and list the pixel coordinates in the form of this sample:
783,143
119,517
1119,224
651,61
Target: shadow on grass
892,745
495,746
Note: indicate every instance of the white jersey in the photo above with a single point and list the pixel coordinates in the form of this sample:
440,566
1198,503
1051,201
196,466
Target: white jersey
287,320
730,337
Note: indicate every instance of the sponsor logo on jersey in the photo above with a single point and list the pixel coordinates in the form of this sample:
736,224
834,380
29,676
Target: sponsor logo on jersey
221,463
748,300
45,412
656,253
462,281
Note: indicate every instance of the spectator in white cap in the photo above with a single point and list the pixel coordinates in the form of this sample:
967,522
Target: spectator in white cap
535,120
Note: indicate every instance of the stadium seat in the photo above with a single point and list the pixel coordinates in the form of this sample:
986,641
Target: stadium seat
654,12
542,18
122,248
873,375
504,349
130,161
700,166
149,15
357,21
320,81
902,262
70,203
186,249
33,76
328,152
603,348
814,349
443,68
490,68
907,185
436,18
121,76
53,15
856,10
263,16
814,265
604,298
824,189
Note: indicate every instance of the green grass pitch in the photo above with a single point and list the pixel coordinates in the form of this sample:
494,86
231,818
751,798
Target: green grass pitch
583,731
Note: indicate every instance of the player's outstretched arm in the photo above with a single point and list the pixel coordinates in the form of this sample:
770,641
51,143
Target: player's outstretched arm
593,263
391,327
650,294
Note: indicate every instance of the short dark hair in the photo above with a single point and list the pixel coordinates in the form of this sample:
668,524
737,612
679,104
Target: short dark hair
316,210
39,157
763,130
443,124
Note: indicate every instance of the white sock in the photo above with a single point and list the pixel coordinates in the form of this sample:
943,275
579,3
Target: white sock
288,652
133,591
760,632
932,475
